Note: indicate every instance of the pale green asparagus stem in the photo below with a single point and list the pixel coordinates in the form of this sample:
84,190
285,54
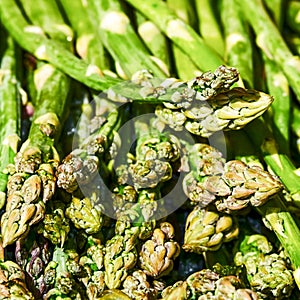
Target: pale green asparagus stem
183,63
88,45
209,26
238,46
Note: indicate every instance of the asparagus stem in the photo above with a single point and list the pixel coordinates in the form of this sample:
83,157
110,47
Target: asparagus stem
88,44
154,39
277,10
209,26
46,15
238,46
269,39
120,39
278,87
183,63
31,39
179,32
9,112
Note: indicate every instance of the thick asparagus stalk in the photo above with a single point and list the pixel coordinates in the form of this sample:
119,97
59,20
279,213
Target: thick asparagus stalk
179,32
120,39
10,103
238,46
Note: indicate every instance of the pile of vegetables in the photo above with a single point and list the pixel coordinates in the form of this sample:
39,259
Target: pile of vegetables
149,149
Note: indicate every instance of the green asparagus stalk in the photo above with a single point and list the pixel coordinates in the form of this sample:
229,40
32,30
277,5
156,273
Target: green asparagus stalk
154,39
179,32
278,87
238,46
270,40
33,183
209,27
278,10
183,63
47,16
120,39
87,44
34,41
10,103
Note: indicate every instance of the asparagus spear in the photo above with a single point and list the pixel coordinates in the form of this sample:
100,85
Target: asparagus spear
269,39
120,39
9,112
179,32
268,272
238,45
209,27
183,63
87,44
33,184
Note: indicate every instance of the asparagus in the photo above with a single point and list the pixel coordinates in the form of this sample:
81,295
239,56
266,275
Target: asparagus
292,11
46,15
12,283
9,112
179,32
33,255
269,39
120,39
238,46
33,182
87,44
209,28
207,229
157,254
183,63
268,272
154,39
31,39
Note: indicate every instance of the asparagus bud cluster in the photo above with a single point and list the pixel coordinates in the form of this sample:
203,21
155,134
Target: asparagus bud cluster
231,185
206,229
268,272
207,284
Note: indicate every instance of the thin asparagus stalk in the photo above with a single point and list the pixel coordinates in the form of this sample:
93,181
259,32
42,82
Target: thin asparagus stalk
238,46
269,39
154,39
9,112
179,32
209,26
278,87
183,63
88,45
120,39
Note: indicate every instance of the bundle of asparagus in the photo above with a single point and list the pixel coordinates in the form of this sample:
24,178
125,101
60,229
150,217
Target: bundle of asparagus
158,160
